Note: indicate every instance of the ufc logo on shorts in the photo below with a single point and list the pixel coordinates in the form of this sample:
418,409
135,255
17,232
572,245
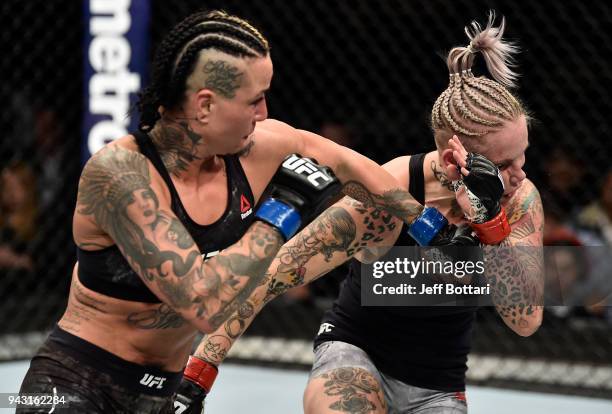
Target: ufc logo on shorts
325,327
305,167
179,407
149,381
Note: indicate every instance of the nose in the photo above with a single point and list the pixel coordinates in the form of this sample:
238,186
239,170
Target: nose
261,111
517,176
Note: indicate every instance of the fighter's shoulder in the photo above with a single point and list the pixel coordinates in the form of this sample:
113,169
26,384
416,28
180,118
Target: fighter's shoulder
274,130
398,168
274,139
119,155
119,163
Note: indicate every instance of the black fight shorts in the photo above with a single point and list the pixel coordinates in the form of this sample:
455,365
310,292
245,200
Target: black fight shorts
84,378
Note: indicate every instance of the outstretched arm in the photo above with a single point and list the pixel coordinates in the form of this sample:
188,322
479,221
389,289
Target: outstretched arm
363,179
344,230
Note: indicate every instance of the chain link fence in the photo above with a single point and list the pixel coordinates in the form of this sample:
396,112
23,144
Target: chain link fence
39,157
365,73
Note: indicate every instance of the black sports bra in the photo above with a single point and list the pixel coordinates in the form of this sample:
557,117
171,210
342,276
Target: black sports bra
106,271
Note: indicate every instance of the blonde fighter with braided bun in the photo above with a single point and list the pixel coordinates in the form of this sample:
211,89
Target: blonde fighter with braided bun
413,359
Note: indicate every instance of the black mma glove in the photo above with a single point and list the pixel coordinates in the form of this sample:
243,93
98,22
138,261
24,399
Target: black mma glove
454,244
453,235
485,188
299,190
197,381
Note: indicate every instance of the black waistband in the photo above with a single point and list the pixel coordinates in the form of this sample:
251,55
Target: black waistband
132,376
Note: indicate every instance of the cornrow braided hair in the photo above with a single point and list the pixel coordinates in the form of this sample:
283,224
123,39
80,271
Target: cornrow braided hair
473,106
179,51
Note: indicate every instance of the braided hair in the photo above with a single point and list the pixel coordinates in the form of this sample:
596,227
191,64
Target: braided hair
474,106
178,53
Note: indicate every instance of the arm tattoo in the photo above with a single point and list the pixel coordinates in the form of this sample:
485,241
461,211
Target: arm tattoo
331,232
376,225
238,323
177,144
116,189
334,231
353,386
222,77
515,268
215,349
397,202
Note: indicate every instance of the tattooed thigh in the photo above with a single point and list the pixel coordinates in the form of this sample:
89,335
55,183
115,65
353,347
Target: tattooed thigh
345,390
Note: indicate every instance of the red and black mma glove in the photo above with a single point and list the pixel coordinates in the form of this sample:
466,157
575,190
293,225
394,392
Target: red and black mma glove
299,191
485,188
197,381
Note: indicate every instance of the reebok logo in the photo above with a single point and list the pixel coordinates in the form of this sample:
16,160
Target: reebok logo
305,167
325,327
149,381
245,207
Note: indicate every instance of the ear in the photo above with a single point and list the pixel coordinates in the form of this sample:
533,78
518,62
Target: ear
450,165
204,101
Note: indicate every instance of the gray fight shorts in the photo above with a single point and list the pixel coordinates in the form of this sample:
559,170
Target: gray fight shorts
401,398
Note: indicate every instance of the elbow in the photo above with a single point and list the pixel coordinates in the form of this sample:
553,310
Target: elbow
529,327
526,331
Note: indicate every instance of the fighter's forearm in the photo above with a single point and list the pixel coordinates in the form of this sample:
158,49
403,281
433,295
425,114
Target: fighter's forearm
250,259
397,202
515,276
213,348
515,269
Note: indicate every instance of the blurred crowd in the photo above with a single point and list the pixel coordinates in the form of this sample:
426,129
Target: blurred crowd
579,265
35,240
